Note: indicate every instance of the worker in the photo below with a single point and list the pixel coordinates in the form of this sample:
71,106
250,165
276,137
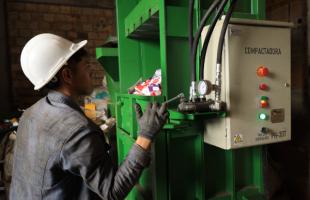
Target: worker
59,152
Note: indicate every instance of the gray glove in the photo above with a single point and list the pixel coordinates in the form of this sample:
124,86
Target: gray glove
152,120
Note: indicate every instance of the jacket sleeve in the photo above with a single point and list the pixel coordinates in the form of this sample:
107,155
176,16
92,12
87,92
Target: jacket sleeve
85,154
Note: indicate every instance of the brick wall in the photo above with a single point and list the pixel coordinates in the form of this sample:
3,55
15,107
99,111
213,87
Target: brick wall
26,20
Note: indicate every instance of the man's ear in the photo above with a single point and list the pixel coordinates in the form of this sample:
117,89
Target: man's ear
67,76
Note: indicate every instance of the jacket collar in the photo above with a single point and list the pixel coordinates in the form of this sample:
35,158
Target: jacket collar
58,97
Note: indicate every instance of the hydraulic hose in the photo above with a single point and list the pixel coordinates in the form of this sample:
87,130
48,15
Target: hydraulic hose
208,37
218,78
223,32
198,35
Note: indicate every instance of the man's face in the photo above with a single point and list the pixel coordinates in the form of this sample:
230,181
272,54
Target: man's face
81,79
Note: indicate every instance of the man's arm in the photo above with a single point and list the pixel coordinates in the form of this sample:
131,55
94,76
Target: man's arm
85,155
144,143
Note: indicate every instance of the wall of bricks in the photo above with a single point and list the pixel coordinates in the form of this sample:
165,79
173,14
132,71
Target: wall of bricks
26,20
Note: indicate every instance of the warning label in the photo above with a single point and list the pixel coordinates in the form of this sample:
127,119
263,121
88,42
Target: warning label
238,138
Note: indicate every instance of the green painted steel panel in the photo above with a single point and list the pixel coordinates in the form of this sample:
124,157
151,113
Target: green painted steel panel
185,161
140,14
108,58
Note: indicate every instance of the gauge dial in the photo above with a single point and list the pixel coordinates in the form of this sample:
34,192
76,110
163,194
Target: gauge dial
204,87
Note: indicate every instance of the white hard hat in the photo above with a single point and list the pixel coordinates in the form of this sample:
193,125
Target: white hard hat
44,55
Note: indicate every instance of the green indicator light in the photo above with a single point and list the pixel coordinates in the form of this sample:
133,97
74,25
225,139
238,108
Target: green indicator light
263,116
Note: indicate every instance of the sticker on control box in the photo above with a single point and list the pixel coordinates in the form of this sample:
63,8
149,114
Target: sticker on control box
238,139
277,115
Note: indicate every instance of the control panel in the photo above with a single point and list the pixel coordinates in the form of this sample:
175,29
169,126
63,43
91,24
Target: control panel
256,84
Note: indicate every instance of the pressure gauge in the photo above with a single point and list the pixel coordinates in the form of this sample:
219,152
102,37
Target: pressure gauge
204,87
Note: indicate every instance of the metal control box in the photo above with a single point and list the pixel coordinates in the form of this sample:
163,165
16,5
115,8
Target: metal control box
256,84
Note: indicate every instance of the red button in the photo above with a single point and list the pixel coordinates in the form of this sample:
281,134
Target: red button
263,86
262,71
264,103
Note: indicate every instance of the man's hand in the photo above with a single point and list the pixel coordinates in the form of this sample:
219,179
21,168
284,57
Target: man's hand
152,121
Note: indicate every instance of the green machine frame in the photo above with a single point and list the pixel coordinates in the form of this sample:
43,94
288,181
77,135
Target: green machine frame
153,34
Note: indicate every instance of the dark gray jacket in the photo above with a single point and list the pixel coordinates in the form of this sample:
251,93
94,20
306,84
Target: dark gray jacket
60,154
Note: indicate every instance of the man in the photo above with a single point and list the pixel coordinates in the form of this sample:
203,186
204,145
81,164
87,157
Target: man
60,153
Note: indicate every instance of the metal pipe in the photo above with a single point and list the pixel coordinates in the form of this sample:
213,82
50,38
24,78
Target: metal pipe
218,83
194,107
181,95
